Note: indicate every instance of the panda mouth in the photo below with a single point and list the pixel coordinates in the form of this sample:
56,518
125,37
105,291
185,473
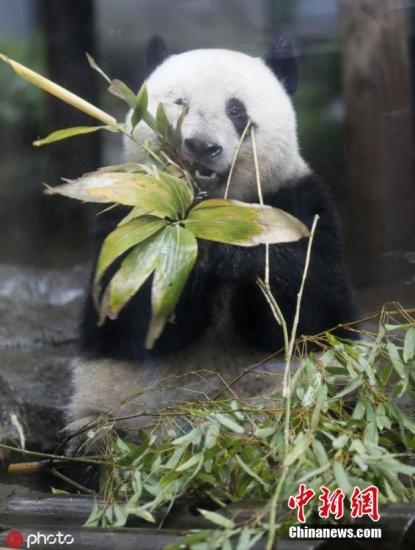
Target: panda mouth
205,176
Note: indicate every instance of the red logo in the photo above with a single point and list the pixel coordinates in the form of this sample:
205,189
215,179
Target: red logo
332,503
362,502
365,503
300,500
15,539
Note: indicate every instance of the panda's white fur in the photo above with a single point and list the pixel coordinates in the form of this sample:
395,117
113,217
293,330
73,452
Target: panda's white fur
202,371
204,79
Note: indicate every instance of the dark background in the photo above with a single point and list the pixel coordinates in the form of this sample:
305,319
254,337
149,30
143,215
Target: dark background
355,108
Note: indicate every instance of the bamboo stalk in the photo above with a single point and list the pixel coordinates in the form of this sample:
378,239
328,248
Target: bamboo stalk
58,91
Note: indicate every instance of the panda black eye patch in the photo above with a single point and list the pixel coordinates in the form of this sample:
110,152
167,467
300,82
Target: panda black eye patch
236,111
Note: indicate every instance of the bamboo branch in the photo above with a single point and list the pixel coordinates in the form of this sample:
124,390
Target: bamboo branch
58,91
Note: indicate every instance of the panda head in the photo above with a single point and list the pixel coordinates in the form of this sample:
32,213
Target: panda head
222,90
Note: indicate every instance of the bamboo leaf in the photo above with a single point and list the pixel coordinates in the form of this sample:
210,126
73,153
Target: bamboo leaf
122,239
134,271
341,477
177,137
93,64
192,461
229,423
243,224
140,108
348,389
396,361
218,519
58,91
174,264
320,452
120,515
164,127
212,435
193,437
121,90
152,195
143,514
150,121
182,194
249,471
65,133
321,402
298,449
409,345
135,212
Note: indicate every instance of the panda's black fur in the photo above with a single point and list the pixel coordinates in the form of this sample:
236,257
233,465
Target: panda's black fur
223,283
327,298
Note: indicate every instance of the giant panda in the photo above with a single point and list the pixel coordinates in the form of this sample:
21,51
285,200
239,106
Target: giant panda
222,324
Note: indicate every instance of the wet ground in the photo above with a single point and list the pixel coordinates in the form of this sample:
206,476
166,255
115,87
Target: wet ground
39,310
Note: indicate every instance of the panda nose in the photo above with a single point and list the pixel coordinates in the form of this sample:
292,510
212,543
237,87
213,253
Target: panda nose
202,149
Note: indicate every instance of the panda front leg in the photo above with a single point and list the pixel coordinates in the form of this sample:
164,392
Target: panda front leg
105,395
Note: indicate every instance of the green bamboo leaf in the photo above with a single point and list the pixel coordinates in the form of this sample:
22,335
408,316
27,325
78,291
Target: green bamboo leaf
390,464
93,64
192,461
321,403
229,423
314,473
134,271
223,221
177,137
121,90
340,441
359,411
399,389
320,452
164,127
174,264
396,361
141,513
348,389
218,519
140,107
152,195
243,224
298,449
150,121
385,374
66,133
403,419
193,437
409,345
135,212
371,435
212,435
368,369
182,194
120,515
249,471
264,433
175,458
122,239
341,477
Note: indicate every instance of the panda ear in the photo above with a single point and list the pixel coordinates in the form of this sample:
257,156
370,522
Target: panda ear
282,60
156,53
